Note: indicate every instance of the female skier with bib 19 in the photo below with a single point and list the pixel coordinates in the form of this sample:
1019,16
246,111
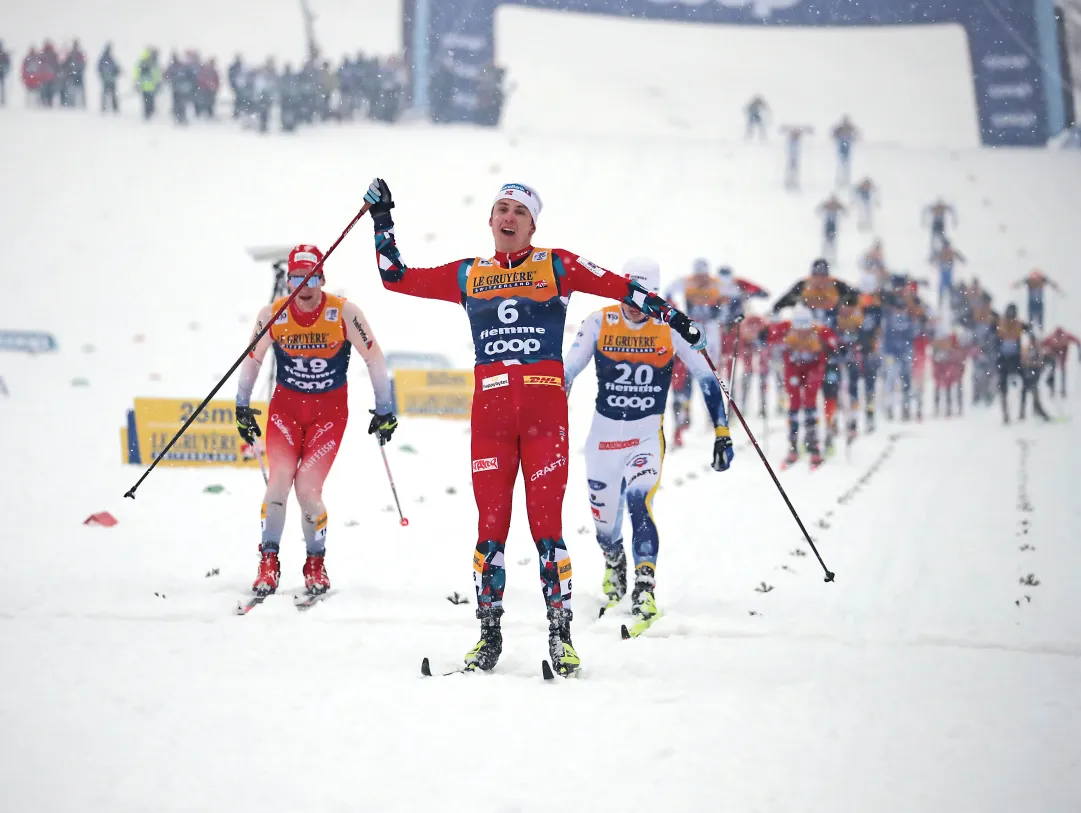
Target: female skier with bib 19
312,341
516,302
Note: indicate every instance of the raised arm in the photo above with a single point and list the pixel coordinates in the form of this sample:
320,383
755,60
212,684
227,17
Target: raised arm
441,282
360,335
789,299
848,294
253,362
750,290
582,350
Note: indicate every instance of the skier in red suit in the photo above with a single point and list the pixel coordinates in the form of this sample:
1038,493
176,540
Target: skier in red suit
948,358
805,349
516,302
1057,347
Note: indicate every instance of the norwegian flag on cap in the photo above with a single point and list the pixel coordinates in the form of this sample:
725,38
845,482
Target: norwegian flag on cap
304,257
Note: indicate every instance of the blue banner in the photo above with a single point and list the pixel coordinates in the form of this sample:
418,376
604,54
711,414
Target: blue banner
22,341
1014,61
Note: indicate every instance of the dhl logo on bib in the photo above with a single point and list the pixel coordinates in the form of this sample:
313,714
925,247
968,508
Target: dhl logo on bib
543,380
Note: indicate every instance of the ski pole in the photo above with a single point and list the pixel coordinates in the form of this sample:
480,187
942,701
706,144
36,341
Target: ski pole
393,490
261,452
847,401
735,356
765,403
198,410
829,574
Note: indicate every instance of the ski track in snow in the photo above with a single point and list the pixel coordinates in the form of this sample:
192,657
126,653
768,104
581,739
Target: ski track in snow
933,675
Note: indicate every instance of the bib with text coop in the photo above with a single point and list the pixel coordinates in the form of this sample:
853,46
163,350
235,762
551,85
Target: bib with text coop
634,367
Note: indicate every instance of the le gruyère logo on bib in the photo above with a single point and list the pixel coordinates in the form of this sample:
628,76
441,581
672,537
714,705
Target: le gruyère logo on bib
621,343
502,280
307,341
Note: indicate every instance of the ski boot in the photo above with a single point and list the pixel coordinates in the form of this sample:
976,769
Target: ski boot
852,430
793,454
485,655
870,421
677,441
565,660
906,413
266,582
615,578
316,580
643,603
816,455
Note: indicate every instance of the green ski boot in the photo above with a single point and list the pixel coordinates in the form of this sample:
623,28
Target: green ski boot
565,660
643,603
485,655
615,579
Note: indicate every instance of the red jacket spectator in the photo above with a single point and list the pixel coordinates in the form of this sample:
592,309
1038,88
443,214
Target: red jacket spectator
33,71
207,78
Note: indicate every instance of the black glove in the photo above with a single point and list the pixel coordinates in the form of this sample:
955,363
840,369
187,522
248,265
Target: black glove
688,330
245,424
722,453
382,426
381,202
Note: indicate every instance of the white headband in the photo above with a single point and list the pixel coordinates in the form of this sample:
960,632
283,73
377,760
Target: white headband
520,193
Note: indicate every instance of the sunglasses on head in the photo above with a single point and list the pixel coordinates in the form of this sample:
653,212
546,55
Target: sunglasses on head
296,280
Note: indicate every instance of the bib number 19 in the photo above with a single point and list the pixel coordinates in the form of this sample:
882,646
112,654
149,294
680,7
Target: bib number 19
309,366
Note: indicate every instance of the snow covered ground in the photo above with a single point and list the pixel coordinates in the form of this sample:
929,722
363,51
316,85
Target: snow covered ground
926,678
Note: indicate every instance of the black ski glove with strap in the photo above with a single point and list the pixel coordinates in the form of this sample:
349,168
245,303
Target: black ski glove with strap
382,426
245,424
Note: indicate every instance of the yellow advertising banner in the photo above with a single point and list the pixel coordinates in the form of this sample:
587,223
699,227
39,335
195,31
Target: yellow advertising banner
434,393
211,440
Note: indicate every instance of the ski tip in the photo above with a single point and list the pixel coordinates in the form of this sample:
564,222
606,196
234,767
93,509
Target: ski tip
624,633
546,671
601,613
425,668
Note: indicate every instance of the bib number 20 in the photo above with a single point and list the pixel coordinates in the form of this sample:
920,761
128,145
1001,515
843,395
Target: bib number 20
643,374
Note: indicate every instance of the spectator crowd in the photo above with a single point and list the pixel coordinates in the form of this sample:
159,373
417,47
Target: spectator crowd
262,95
